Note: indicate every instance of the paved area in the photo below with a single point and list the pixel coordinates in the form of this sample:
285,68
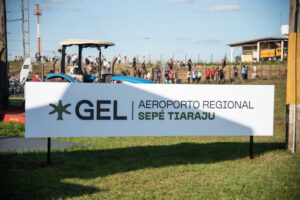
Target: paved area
18,144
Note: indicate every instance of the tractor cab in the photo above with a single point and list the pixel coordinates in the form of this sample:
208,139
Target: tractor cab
79,72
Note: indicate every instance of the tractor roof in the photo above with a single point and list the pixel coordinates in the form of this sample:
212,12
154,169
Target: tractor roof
86,43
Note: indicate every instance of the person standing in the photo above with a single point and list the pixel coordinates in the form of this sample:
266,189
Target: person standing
223,63
157,74
243,72
74,59
36,78
254,72
144,71
87,61
91,59
134,66
177,80
119,59
134,62
217,73
190,65
37,57
69,59
213,73
222,75
171,64
125,61
236,72
188,77
139,72
167,76
246,72
181,64
199,76
194,76
207,75
172,76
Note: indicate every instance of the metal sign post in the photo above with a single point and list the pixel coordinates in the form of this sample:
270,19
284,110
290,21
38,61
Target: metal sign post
251,148
49,151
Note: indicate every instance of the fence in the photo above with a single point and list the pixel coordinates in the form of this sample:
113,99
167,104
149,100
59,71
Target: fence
263,71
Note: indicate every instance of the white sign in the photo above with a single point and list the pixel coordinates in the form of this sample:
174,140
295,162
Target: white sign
85,109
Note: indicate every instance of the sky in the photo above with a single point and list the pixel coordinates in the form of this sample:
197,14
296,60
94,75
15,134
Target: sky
196,29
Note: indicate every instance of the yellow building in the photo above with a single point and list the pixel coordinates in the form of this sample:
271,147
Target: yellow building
270,48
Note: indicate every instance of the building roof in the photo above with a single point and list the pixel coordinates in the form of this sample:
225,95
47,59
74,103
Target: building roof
251,42
86,43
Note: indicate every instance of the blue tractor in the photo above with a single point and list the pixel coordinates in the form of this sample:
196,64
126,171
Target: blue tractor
77,74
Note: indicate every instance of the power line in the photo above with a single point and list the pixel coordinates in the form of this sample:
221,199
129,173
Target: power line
13,20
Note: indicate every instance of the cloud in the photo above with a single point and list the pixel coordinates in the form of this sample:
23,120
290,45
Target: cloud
209,41
179,1
178,51
60,7
104,16
47,7
219,8
74,8
183,38
57,1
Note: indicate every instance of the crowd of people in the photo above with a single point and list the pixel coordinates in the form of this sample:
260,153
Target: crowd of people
14,86
19,59
169,71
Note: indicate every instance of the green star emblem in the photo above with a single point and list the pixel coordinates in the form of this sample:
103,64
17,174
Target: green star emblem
60,109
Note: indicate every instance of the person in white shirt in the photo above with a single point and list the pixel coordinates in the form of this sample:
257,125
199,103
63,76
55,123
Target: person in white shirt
254,75
188,76
199,76
119,59
74,58
105,67
91,59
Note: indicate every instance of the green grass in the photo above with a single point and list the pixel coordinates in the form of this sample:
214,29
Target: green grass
159,167
12,129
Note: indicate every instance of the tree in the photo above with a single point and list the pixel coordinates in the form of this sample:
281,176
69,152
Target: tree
3,58
237,59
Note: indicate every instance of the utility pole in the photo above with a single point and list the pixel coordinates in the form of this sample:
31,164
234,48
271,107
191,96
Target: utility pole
293,80
25,22
3,58
38,12
146,44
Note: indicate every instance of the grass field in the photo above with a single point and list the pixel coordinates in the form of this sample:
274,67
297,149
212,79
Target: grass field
157,167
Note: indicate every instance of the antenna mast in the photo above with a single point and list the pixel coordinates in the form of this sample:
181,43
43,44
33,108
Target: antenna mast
38,12
25,23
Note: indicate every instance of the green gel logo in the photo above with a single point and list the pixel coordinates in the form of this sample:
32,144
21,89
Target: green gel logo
59,109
